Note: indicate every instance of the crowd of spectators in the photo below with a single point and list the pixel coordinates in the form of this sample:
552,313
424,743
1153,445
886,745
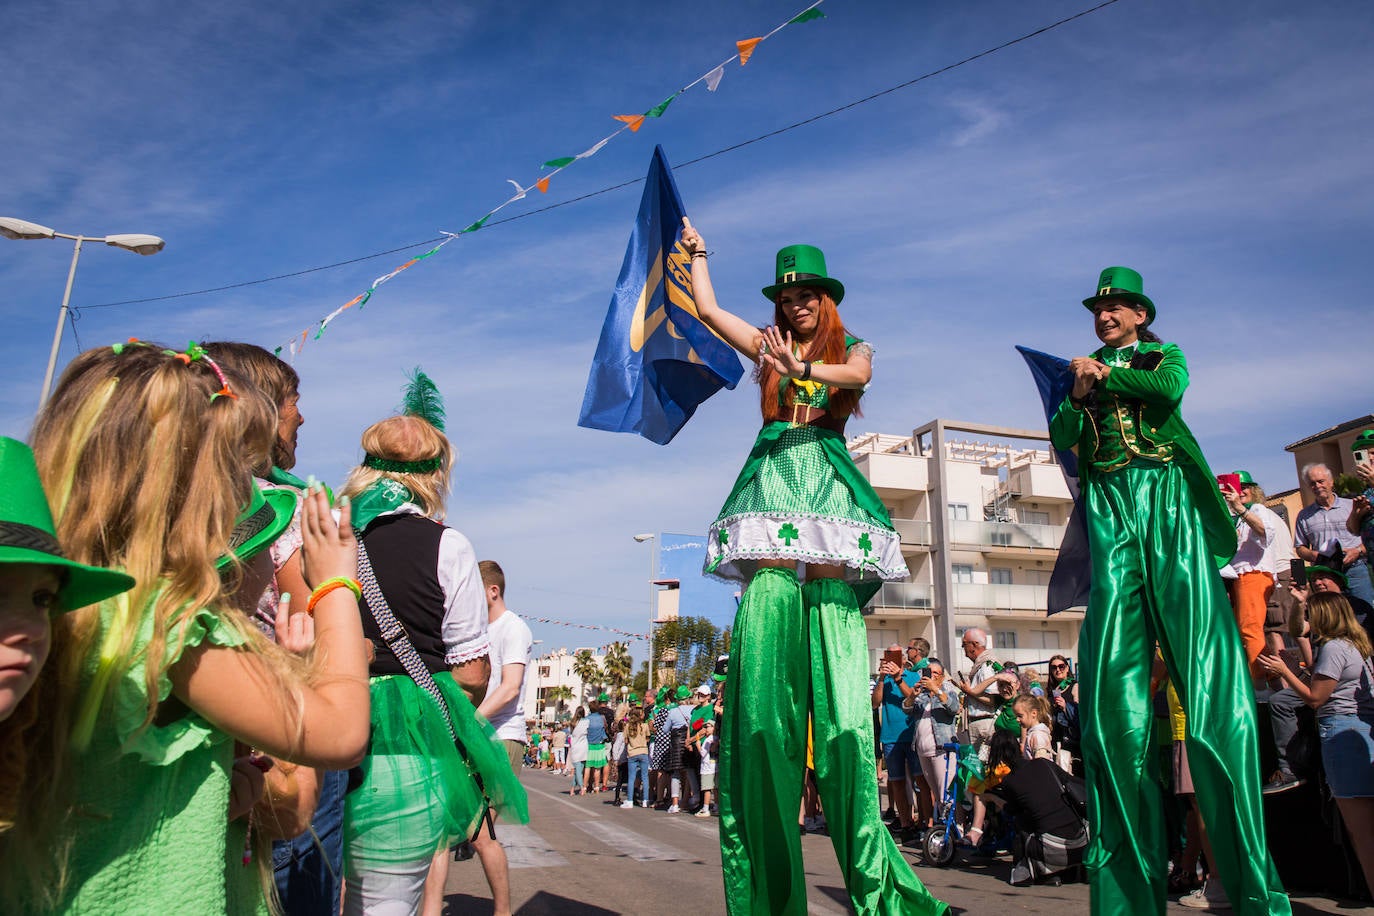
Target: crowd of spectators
659,753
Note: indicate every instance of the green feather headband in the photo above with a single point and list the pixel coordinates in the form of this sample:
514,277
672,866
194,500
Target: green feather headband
423,400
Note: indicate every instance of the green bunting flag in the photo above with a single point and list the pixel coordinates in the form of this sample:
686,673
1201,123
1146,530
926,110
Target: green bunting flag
657,110
813,13
560,163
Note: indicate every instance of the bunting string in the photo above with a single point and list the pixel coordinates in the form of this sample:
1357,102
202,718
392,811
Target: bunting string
744,50
643,637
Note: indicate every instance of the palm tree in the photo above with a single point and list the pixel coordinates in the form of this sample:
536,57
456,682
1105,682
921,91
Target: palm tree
617,665
587,671
558,696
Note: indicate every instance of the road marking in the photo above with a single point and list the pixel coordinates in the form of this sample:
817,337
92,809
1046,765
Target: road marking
527,849
586,812
635,845
703,826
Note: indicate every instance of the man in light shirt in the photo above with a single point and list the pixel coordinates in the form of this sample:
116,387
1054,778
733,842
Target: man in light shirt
1323,522
503,706
1254,563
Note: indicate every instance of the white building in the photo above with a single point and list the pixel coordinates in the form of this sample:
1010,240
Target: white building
981,511
556,670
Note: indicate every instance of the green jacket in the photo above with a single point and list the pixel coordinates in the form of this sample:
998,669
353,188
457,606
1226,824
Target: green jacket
1152,390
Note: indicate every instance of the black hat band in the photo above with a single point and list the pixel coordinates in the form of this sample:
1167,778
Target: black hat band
793,277
246,529
27,537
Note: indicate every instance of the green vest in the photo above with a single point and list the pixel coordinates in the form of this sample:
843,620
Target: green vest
1134,413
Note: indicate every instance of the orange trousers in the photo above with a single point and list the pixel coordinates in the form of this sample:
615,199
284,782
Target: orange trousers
1249,599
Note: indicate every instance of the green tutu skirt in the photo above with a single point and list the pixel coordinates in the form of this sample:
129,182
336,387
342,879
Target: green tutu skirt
800,498
420,792
596,755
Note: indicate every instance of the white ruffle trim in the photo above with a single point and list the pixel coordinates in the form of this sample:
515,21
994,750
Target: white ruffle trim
816,539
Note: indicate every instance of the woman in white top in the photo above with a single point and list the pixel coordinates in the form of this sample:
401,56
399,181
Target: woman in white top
577,751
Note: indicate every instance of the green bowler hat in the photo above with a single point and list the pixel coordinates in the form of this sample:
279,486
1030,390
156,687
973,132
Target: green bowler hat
1122,283
1245,479
803,265
683,692
1364,440
603,698
27,534
267,515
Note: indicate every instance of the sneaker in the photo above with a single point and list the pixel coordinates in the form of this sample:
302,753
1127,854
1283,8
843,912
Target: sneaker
1201,900
627,804
673,809
1281,782
702,813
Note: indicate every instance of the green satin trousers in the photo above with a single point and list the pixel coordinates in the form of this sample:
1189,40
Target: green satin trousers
1155,580
795,651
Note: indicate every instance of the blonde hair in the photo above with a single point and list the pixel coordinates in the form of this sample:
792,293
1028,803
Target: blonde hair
1038,705
1330,617
406,438
146,470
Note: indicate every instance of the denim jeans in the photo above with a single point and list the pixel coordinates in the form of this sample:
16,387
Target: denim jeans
577,766
639,767
309,874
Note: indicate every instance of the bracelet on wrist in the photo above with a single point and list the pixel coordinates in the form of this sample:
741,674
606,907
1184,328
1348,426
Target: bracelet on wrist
806,373
329,585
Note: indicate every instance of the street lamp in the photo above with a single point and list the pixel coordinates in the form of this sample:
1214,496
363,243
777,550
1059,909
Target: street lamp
12,228
653,611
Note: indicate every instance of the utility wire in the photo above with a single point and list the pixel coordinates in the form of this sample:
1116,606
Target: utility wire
625,184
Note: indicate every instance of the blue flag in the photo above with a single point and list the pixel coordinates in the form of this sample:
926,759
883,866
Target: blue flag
656,361
1072,577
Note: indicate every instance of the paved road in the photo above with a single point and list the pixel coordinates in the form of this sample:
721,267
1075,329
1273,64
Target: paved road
584,857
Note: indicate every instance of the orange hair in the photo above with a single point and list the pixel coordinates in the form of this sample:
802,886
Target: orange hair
827,345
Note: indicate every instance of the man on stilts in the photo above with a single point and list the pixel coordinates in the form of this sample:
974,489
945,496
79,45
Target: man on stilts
1158,530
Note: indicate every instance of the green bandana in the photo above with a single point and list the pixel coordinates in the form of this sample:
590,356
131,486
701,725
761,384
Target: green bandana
1006,720
383,496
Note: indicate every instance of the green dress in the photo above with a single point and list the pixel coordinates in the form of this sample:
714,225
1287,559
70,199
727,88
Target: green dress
800,497
150,828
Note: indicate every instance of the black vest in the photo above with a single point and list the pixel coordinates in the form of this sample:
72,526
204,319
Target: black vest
404,550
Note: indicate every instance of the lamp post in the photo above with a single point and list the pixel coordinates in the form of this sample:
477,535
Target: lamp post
12,228
538,683
653,611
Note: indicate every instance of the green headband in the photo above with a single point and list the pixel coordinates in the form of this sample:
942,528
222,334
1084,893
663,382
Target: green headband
424,466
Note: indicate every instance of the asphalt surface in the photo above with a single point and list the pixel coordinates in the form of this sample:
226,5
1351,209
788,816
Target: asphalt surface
582,856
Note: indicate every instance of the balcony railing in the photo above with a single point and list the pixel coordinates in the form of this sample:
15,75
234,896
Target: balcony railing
913,531
1005,534
907,595
980,596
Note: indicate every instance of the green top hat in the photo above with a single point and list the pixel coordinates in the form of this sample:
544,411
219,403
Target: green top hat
632,698
663,693
1364,440
803,265
603,698
268,514
1122,283
27,534
682,692
1245,479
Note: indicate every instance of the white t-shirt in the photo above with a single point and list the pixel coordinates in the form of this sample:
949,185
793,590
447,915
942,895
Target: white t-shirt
708,760
510,640
1257,552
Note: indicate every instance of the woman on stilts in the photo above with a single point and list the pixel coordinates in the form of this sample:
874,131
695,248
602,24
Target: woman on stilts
800,649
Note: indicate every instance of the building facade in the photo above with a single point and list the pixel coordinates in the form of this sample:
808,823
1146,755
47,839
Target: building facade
981,511
555,669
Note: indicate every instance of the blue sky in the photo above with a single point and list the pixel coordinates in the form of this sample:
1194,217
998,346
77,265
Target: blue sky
1223,149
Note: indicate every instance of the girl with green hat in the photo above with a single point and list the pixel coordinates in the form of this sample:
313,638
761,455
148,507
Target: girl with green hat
129,783
799,650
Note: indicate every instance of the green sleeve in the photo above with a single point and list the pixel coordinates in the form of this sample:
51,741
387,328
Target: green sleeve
1163,385
1066,426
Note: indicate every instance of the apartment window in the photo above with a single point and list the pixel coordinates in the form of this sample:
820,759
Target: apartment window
1004,639
958,511
999,576
1031,517
962,572
544,671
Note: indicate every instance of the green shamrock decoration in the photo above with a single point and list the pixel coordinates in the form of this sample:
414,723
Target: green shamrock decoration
865,543
788,532
724,537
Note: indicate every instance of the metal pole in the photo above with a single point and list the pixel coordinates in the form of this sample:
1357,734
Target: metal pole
61,320
653,612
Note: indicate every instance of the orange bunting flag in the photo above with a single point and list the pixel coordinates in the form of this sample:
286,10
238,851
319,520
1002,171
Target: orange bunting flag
543,185
635,122
746,49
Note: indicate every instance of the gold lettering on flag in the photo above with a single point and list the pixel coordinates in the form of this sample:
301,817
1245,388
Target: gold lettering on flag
679,288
